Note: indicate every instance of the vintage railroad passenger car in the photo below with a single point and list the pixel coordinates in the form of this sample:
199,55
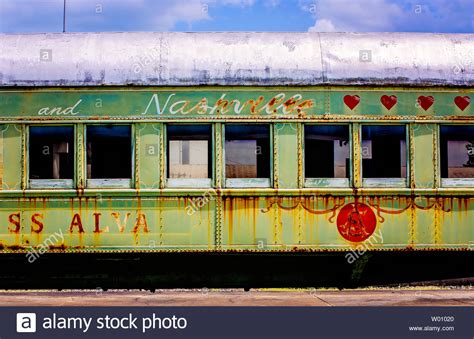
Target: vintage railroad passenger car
244,154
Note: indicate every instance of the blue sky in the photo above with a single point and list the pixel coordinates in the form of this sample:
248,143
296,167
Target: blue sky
444,16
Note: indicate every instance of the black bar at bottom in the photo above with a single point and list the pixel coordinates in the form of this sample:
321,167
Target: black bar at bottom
237,322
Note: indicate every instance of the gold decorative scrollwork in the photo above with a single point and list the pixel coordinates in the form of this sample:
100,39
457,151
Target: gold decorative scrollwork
338,202
438,203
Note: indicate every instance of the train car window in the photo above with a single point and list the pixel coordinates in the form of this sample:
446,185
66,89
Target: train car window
457,155
109,155
247,155
327,155
384,155
189,150
51,156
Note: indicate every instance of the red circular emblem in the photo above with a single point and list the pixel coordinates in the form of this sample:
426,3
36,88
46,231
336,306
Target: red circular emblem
356,222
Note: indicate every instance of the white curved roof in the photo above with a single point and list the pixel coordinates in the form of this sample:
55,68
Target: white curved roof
263,59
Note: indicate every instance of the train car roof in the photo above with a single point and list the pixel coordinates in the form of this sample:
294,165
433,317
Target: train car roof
260,59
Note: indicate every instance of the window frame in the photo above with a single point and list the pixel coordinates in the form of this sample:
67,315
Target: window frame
108,183
386,182
329,182
189,182
249,182
51,183
450,182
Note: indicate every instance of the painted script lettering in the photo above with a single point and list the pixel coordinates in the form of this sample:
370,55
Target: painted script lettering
279,103
59,110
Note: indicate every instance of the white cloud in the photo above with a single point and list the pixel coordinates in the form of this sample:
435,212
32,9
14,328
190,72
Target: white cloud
350,15
181,10
323,25
390,15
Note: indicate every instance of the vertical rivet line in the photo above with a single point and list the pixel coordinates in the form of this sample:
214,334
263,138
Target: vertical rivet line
23,157
276,223
218,235
412,224
162,156
300,224
299,128
80,153
218,155
161,202
219,180
435,156
356,146
411,163
137,157
275,157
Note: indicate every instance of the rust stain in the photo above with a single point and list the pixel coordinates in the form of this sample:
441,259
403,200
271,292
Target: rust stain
14,247
57,247
86,202
228,212
254,104
254,221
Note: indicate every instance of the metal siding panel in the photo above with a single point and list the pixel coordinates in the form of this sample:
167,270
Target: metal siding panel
149,157
423,155
286,138
10,156
456,227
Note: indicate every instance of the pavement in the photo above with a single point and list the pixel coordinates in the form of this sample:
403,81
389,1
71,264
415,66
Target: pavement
426,296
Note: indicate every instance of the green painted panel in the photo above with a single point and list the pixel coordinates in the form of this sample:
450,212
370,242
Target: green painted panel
424,229
286,154
154,104
188,223
141,224
394,230
457,226
10,157
259,219
149,167
245,226
248,223
230,102
423,157
407,102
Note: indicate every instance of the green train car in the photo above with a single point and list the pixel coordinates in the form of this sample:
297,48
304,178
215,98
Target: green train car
235,159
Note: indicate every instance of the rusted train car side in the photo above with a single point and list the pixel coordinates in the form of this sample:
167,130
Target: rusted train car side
362,143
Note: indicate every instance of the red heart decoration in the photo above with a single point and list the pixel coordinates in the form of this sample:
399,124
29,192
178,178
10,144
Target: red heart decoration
425,102
462,102
351,101
388,101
